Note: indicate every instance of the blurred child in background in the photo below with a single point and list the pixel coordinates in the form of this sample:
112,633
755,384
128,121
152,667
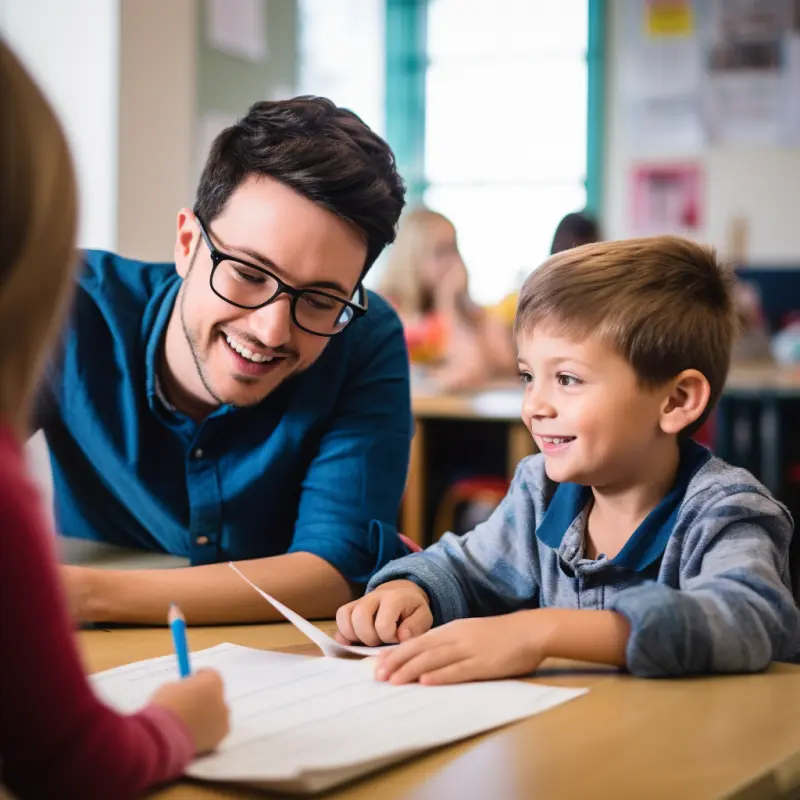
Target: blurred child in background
456,339
575,229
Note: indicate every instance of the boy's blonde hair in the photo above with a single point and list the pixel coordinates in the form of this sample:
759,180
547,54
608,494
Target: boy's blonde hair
401,282
38,209
663,302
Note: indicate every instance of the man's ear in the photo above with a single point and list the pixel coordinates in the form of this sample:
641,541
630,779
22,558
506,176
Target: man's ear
686,401
186,240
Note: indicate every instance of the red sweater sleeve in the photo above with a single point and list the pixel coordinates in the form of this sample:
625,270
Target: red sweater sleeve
56,738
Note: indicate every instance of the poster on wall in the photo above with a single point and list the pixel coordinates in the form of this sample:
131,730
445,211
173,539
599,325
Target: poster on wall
667,199
661,71
751,87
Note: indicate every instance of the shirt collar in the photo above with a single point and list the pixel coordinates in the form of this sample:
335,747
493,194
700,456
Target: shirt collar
649,540
156,318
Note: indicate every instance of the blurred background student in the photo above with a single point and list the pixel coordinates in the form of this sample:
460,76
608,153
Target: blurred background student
574,229
56,738
459,342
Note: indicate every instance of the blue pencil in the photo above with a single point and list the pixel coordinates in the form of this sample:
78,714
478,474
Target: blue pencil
177,623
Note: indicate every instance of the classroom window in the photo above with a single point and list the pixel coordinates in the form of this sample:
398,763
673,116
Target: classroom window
341,55
505,131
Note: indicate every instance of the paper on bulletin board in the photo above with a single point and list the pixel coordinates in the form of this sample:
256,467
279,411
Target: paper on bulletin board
752,84
661,69
669,18
667,199
238,28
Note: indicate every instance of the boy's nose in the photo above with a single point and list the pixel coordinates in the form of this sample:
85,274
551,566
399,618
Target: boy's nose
536,405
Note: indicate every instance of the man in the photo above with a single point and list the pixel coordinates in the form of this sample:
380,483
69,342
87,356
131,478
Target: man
251,401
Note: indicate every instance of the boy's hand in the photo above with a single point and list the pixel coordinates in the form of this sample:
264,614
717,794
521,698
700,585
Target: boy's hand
199,701
394,612
467,650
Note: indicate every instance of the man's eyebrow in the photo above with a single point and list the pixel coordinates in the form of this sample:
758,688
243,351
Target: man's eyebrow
273,267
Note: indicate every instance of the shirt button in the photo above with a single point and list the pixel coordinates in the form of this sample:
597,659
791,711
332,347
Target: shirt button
198,453
202,540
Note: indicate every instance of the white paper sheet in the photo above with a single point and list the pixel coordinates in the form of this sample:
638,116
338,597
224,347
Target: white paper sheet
301,723
329,646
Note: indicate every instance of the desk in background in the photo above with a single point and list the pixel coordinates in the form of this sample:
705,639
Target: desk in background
85,553
764,387
500,404
729,737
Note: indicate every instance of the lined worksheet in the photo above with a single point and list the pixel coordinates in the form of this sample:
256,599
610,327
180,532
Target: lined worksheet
303,724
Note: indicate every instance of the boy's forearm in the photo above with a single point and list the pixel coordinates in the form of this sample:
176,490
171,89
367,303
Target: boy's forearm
582,635
208,595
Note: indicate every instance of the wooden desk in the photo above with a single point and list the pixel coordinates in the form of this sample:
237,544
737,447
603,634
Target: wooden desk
759,379
498,403
733,737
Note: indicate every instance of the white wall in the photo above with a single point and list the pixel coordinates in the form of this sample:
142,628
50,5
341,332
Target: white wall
156,124
760,185
121,76
72,49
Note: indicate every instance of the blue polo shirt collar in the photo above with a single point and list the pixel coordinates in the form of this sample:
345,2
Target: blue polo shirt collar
649,540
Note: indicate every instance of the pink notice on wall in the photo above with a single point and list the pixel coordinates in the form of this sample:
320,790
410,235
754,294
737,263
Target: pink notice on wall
666,198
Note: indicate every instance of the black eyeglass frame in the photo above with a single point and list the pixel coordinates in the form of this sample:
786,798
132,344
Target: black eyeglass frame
217,257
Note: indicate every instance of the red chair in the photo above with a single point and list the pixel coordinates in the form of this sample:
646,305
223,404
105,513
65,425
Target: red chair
487,490
412,546
707,433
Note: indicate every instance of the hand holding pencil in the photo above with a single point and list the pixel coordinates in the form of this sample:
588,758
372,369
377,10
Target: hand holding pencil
197,700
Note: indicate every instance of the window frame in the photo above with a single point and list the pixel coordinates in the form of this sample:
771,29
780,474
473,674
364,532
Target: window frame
406,66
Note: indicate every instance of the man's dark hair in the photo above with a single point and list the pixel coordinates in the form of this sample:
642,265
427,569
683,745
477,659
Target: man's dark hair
323,152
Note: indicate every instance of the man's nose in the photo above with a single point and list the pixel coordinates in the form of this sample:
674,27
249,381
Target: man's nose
272,323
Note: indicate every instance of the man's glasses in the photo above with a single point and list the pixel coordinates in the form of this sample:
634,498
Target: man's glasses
248,286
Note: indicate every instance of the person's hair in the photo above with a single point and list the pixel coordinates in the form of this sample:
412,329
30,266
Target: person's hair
401,282
574,230
322,152
663,302
38,214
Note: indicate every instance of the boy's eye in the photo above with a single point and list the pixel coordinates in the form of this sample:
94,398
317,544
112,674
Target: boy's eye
568,380
525,377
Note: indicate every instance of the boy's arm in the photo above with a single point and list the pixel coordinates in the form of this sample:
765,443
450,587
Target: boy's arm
582,635
490,648
736,614
490,570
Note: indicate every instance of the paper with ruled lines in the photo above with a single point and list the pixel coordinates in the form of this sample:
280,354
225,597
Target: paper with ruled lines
302,724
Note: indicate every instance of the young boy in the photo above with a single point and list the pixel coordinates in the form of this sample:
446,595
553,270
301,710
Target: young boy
622,542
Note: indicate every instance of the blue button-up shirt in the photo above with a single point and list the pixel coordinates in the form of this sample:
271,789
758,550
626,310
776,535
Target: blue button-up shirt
319,466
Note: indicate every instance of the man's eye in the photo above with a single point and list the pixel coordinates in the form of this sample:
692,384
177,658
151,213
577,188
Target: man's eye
248,276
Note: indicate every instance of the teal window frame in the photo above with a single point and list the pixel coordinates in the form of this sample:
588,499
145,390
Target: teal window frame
406,64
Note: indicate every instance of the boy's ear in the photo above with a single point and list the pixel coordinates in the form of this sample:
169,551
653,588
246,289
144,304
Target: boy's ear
688,397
